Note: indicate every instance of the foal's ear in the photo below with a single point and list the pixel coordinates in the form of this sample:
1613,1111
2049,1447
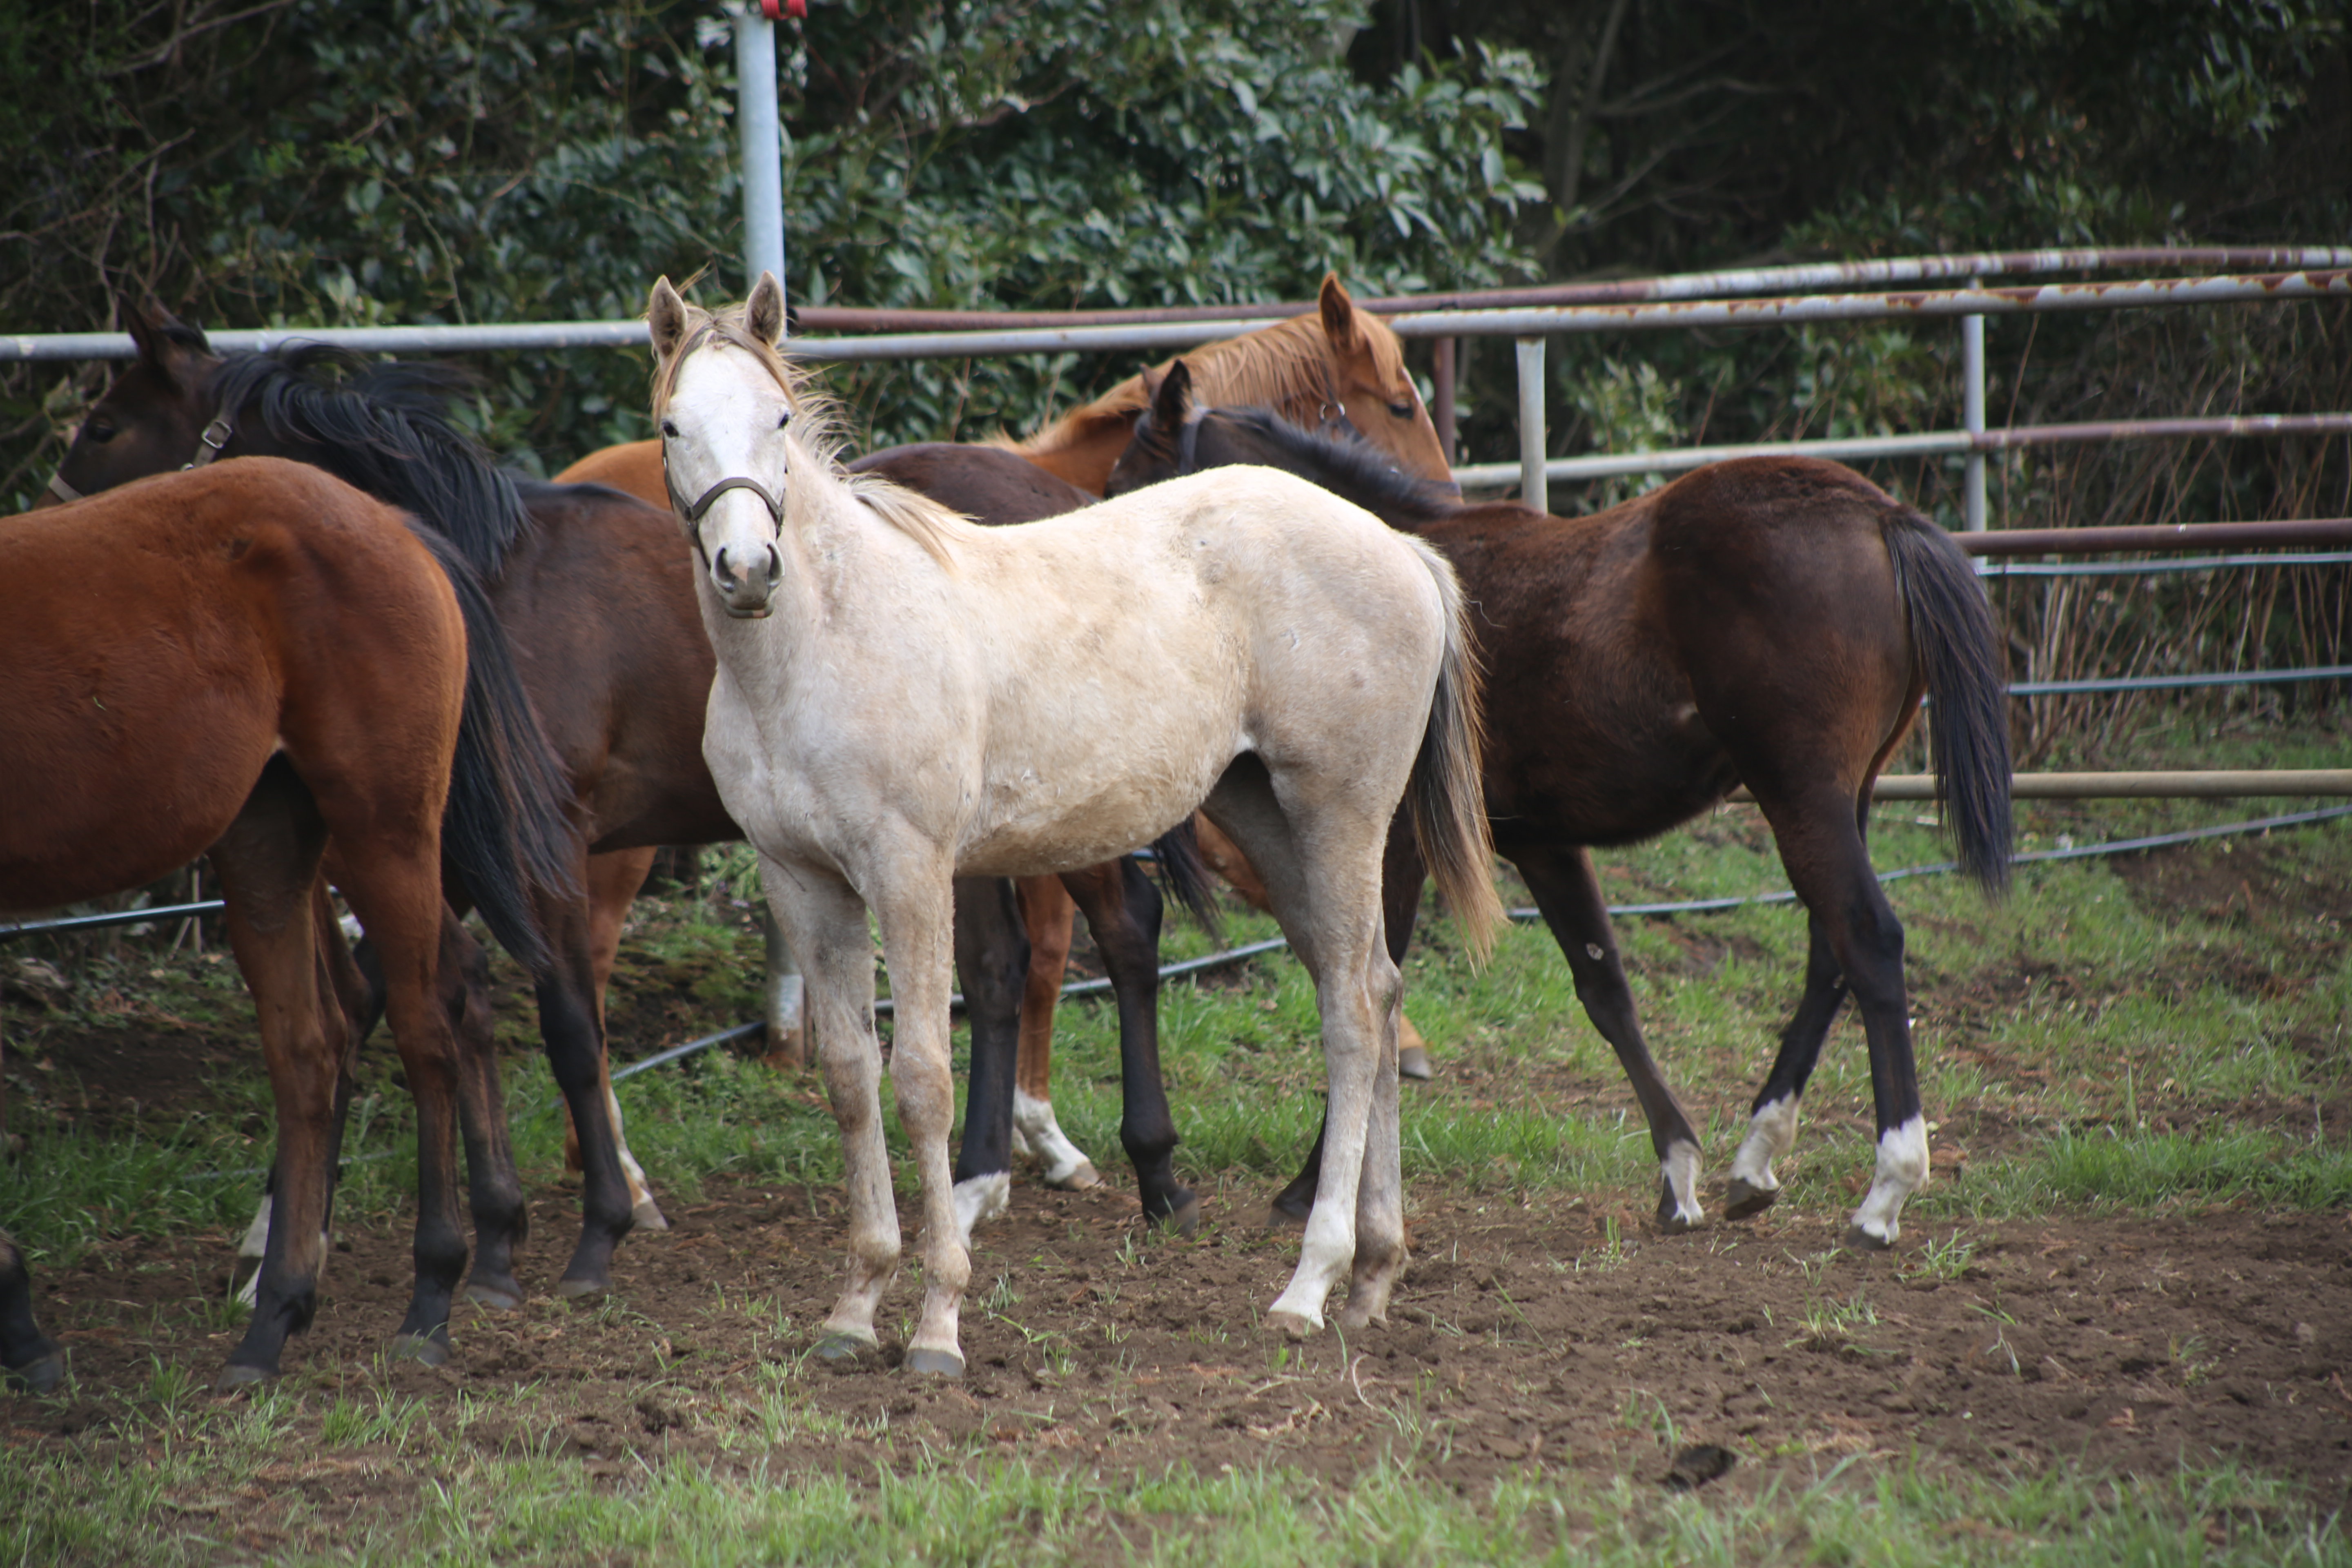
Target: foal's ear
763,312
1339,315
666,314
162,339
1173,399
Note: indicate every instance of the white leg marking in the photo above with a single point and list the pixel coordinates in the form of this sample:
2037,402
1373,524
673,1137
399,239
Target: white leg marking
980,1198
1902,1171
1772,1134
249,1249
1680,1169
641,1207
1034,1128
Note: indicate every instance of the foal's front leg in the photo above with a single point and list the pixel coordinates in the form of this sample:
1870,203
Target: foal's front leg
825,924
916,915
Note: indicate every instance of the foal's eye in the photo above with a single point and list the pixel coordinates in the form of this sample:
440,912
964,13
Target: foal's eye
783,420
670,430
1401,410
97,430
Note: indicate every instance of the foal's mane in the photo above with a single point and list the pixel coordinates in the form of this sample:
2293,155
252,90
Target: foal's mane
381,427
817,426
1287,367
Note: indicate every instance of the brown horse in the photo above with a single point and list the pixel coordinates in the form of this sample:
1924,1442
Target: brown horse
1339,367
1772,622
258,660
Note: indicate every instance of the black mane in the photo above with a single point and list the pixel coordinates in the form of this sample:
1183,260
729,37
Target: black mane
383,428
1348,466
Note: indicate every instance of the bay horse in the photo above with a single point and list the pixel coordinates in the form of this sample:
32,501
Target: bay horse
259,661
1767,621
1253,645
1338,367
615,667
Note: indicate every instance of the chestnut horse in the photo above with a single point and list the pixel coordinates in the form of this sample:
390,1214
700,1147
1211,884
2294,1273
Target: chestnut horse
1337,367
258,660
1772,622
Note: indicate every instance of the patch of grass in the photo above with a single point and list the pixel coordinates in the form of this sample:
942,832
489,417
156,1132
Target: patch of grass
2110,1168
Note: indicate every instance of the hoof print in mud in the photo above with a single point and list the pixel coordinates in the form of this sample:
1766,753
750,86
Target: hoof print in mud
1695,1467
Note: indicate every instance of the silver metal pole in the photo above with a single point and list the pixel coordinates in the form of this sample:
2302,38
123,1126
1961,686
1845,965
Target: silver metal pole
1535,488
1973,412
762,155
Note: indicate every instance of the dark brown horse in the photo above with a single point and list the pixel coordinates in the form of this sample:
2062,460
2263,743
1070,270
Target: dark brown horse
259,661
1772,622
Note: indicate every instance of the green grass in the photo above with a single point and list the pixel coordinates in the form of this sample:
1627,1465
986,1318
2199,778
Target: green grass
528,1508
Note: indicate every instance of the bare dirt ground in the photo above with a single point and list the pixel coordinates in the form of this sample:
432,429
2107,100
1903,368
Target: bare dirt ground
1543,1335
1521,1338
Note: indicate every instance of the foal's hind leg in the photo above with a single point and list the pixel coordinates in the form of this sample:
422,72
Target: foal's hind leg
269,866
1324,877
1822,846
1123,909
993,958
1046,912
1570,899
569,1024
1772,1119
613,880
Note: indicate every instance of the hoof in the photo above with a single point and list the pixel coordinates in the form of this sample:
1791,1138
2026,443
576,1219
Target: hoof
573,1290
647,1215
1861,1241
1413,1062
1354,1317
41,1377
236,1376
1290,1325
840,1348
1669,1215
935,1363
1281,1214
423,1348
1185,1218
497,1295
1080,1177
1741,1201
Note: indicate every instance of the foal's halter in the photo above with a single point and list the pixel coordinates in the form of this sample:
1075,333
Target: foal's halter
209,442
690,517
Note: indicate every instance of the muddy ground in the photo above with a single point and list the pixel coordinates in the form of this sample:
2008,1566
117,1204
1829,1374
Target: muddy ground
1522,1337
1547,1334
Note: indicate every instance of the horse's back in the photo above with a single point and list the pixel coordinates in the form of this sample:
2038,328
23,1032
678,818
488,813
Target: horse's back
632,468
165,638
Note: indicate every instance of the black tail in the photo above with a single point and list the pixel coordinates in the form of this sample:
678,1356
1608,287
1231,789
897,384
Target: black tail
506,833
1967,723
1185,876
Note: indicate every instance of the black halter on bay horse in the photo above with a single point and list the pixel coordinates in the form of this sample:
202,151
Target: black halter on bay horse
1767,621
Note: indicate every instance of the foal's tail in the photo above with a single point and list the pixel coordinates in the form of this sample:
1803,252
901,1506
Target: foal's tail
1185,875
1967,723
1446,795
506,831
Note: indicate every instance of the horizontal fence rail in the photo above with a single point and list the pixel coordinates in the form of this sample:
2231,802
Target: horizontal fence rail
1925,444
2315,283
2236,784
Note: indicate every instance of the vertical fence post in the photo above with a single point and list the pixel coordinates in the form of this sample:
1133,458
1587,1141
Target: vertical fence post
1972,412
1440,376
1535,489
762,152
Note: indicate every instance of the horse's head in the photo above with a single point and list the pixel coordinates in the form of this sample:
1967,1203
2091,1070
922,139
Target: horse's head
152,419
722,400
1377,395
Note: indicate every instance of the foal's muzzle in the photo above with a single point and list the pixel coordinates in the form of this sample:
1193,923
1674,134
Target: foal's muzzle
747,596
